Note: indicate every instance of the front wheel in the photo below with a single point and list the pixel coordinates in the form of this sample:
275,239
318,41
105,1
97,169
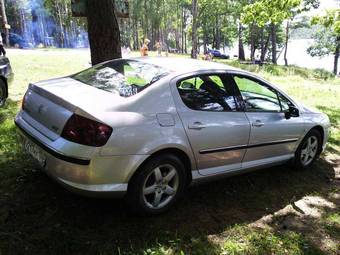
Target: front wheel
2,93
157,185
309,150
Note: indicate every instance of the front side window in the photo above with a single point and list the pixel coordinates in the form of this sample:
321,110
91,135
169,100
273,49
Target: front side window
257,96
122,77
207,93
285,103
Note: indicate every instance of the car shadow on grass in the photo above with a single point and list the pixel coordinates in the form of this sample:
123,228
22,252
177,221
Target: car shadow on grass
37,216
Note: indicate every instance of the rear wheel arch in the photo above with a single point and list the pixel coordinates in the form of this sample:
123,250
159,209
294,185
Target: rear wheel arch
180,154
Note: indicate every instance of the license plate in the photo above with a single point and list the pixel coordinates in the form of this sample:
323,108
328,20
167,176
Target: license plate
35,152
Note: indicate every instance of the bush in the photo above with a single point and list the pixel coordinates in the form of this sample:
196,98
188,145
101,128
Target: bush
323,74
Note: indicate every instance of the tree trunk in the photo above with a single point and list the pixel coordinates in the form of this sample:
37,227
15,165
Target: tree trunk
177,39
205,42
182,29
218,35
136,44
262,40
265,48
241,55
286,44
336,56
194,29
61,28
4,21
22,22
185,43
146,21
273,33
103,29
252,43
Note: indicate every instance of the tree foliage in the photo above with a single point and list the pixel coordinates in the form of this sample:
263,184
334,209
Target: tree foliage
47,22
264,12
330,21
220,23
327,38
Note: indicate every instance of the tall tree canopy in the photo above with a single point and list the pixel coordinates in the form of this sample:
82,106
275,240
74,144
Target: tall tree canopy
181,25
268,12
327,38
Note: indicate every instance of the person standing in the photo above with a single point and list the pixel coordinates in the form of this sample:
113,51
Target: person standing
2,49
144,50
159,48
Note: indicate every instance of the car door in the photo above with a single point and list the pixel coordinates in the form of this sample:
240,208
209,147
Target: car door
273,137
217,129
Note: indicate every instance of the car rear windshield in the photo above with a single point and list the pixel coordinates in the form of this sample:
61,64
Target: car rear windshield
122,77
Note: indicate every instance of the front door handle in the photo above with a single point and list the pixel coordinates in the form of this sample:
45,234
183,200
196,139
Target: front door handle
257,123
197,126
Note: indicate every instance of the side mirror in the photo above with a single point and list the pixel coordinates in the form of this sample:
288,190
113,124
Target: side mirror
292,112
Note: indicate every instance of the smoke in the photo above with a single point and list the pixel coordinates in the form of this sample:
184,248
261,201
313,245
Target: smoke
40,28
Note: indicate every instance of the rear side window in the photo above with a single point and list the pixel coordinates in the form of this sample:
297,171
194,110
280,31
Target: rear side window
207,93
122,77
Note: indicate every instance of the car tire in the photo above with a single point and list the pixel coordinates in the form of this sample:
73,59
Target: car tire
2,93
157,185
308,150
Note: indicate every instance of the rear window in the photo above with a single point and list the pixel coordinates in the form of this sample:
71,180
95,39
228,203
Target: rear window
122,77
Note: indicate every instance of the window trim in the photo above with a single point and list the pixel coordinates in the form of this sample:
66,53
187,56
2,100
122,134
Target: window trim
234,91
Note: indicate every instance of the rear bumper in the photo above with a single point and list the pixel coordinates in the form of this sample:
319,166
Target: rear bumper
95,177
51,151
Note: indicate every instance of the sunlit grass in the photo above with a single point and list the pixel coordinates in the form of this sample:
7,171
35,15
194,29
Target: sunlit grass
331,223
35,65
247,240
8,144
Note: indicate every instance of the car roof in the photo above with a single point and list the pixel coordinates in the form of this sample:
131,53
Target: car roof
183,65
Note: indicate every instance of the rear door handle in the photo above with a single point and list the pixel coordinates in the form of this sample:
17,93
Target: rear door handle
257,123
197,126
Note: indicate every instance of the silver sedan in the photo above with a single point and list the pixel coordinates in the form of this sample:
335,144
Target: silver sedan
146,128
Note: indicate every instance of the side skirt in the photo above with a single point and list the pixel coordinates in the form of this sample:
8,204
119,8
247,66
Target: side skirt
245,168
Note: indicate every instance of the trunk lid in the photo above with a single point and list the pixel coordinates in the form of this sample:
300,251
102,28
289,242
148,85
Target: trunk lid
49,104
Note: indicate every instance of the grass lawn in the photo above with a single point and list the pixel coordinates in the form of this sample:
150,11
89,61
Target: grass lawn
272,211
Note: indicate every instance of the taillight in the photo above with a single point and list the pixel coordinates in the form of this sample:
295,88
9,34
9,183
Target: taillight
85,131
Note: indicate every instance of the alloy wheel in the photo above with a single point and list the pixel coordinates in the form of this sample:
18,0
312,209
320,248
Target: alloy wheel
309,150
160,186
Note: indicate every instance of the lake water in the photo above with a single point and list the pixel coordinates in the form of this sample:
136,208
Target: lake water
297,55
